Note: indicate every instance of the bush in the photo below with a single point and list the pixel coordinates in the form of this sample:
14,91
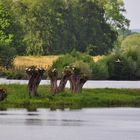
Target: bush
13,74
69,59
100,70
131,41
84,68
121,68
7,55
131,51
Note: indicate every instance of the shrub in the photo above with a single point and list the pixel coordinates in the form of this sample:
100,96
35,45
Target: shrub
84,68
7,55
131,41
121,68
100,70
70,59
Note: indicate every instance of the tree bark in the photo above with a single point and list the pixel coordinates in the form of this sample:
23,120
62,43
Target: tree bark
65,77
3,94
77,82
33,84
53,74
63,82
35,75
73,81
80,83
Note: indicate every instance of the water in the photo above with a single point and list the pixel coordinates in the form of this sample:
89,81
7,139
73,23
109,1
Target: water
85,124
89,84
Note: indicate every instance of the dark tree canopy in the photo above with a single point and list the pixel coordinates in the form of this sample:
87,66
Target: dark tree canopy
59,26
7,38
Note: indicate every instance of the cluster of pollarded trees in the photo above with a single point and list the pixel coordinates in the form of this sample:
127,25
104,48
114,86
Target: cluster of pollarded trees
72,74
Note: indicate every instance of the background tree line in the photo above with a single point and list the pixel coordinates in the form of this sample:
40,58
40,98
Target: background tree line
42,27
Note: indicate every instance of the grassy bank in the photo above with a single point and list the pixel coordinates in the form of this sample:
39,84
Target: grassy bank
18,98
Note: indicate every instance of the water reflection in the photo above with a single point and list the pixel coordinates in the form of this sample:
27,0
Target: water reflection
100,124
54,122
34,122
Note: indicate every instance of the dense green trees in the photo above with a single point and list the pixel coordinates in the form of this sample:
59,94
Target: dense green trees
7,37
59,26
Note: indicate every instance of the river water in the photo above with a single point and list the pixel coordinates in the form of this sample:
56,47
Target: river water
89,84
85,124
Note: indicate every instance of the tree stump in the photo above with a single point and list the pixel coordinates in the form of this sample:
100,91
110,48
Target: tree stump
65,77
3,94
53,74
35,75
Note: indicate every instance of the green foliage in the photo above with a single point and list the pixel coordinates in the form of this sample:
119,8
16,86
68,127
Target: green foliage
83,67
59,26
119,68
131,51
100,70
122,64
81,30
7,52
114,10
74,58
13,74
7,55
131,41
17,97
6,35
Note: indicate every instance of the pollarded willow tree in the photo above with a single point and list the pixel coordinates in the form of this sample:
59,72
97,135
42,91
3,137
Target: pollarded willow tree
74,75
81,72
77,80
64,78
52,73
35,74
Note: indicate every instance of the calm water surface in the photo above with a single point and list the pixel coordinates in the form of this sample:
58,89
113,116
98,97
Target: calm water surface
88,84
85,124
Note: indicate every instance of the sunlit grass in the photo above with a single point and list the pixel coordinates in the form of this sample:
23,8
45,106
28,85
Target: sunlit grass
40,61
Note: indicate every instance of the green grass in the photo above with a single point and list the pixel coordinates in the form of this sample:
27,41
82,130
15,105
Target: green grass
18,98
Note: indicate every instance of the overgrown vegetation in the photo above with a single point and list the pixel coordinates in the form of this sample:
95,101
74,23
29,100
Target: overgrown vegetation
19,98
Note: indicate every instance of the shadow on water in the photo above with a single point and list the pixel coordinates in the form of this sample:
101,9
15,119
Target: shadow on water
54,122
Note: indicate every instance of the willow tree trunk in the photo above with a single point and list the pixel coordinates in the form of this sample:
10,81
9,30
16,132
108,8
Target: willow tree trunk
81,80
53,79
63,82
33,84
77,82
73,81
3,94
53,85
